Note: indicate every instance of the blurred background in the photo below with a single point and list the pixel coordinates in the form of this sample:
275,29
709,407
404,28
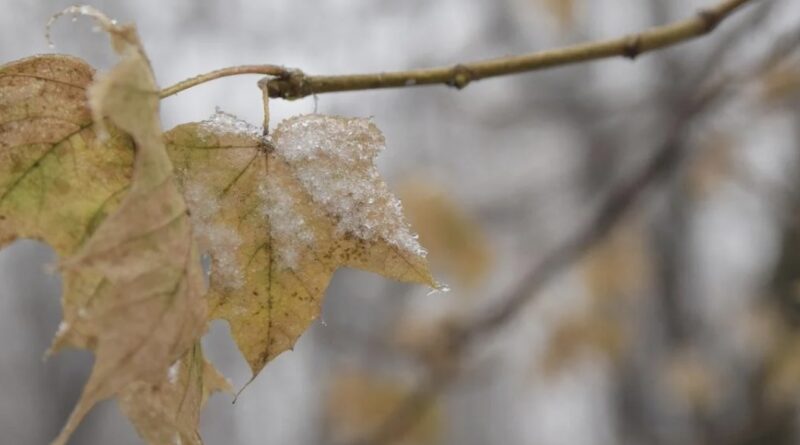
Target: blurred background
681,326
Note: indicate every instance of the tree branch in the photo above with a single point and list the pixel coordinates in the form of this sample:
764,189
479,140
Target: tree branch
293,84
621,200
616,205
296,84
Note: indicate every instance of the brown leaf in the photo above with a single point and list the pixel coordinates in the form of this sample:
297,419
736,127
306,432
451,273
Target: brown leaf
168,412
278,216
148,307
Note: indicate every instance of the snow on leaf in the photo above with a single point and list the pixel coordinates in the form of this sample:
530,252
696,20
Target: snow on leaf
168,412
146,308
301,204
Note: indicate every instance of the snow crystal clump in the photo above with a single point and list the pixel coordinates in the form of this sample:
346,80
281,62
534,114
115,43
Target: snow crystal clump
63,327
172,372
220,241
288,229
225,123
334,159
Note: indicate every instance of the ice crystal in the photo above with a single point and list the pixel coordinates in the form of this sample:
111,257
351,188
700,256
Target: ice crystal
226,123
289,232
172,372
334,160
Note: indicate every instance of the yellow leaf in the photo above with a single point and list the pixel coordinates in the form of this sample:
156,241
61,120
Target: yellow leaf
57,181
279,215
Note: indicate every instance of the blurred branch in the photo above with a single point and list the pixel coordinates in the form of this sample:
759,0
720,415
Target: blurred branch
613,209
617,204
294,84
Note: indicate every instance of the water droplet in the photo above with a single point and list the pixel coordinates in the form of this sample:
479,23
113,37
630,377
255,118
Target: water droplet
440,288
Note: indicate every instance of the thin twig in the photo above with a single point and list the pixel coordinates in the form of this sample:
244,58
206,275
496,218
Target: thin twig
294,84
265,70
297,85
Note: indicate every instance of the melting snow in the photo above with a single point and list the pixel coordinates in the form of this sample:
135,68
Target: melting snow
172,372
225,123
220,241
289,231
334,159
63,327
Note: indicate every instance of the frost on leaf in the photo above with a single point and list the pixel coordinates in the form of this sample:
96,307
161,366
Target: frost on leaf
289,210
168,412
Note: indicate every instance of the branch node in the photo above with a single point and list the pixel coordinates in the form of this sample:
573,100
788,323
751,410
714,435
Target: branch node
633,47
710,19
293,85
461,76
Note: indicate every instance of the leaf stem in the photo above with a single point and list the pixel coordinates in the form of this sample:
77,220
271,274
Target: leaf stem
267,70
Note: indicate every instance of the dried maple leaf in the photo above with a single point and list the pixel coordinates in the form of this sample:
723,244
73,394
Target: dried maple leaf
279,215
57,181
149,309
169,411
134,286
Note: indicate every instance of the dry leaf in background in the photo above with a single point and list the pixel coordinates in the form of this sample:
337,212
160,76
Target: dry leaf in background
713,165
456,244
562,10
781,83
576,336
618,267
614,272
691,378
358,403
279,215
